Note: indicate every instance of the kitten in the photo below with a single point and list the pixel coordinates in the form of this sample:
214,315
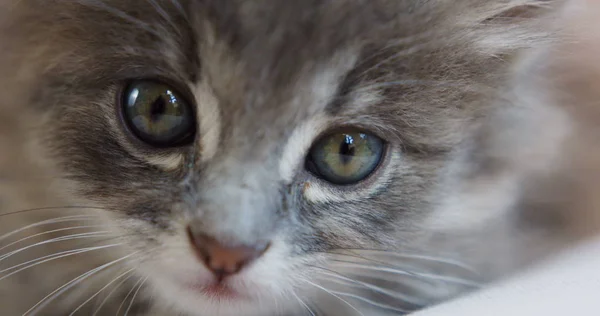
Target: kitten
202,157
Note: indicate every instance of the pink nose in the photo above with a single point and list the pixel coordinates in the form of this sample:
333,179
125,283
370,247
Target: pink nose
223,260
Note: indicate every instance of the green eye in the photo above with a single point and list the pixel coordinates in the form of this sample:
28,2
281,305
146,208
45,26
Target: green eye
157,114
345,157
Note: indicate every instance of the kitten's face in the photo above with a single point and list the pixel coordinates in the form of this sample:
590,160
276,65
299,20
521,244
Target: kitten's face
254,138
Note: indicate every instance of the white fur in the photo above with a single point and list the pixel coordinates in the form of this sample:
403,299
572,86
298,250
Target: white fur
298,145
209,120
166,162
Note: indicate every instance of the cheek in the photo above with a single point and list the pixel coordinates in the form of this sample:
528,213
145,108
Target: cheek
275,274
349,225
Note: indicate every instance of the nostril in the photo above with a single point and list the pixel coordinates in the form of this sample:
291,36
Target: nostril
221,259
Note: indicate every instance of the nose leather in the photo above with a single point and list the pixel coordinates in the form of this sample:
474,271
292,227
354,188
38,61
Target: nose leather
224,260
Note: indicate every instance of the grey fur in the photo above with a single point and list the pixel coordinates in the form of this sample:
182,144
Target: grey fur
440,68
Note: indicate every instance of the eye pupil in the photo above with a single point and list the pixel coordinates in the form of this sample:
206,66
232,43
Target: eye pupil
158,109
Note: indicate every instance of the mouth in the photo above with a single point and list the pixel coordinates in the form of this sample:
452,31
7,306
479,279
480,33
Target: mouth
218,291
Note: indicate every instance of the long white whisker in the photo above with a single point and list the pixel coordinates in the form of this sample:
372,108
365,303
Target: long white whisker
50,232
53,256
127,296
48,298
55,240
134,296
58,257
447,279
371,261
396,295
303,304
371,302
100,291
415,256
111,293
334,295
63,219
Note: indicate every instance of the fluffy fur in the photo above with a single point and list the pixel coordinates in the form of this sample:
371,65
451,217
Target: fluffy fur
457,202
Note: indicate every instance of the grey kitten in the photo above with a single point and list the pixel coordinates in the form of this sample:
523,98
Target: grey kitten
202,157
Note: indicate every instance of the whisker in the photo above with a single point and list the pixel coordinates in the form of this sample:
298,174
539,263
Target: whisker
100,291
111,293
63,219
65,287
58,257
68,207
50,232
134,296
371,260
370,302
334,295
304,304
408,256
55,240
127,296
447,279
393,294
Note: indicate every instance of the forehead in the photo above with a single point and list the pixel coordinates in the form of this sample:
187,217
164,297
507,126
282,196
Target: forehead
277,36
264,54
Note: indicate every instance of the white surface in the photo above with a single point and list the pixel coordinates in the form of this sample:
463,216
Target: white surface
568,285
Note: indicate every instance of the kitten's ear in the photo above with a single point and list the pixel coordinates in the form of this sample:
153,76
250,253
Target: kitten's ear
522,10
501,27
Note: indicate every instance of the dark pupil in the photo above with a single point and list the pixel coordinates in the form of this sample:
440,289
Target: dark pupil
158,108
347,149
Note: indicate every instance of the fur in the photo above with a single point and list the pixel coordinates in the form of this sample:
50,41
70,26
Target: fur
454,204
